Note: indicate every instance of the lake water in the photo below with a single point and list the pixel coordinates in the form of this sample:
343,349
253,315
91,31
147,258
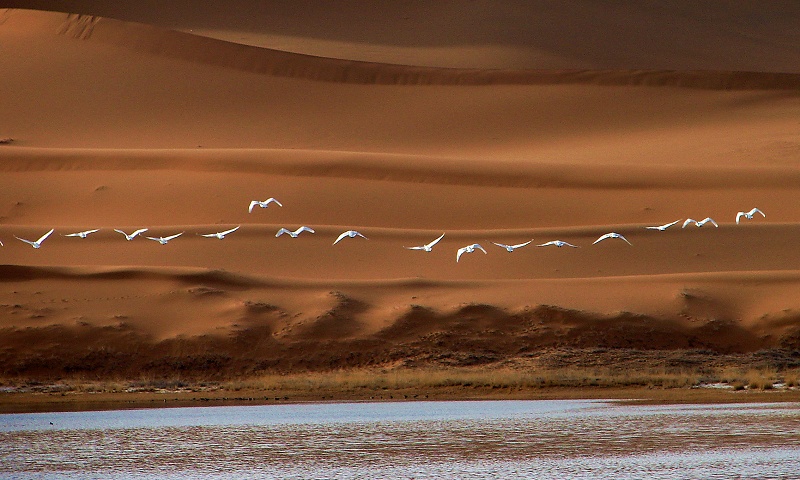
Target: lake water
482,439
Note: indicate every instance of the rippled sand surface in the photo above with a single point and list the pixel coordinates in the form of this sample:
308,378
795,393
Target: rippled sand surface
508,439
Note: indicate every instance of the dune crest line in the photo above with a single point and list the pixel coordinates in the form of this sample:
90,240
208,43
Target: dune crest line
170,43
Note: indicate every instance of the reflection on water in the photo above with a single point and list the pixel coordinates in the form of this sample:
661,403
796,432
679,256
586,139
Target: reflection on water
497,439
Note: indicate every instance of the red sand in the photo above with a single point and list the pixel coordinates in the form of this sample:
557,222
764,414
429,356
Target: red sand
486,134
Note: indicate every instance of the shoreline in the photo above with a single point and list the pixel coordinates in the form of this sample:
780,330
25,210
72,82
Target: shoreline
36,402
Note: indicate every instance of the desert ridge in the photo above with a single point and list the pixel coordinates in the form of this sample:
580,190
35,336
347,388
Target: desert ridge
124,124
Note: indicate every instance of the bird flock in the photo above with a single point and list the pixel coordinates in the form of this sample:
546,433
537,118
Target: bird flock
428,247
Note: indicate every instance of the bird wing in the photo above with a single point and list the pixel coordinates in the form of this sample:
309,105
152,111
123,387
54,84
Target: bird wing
667,225
603,237
739,216
546,244
26,241
72,235
435,241
688,221
43,237
281,232
173,236
344,234
120,231
415,248
252,204
156,239
501,245
362,236
137,232
304,229
759,211
87,232
520,245
570,245
626,240
479,248
273,200
208,235
707,220
460,252
229,231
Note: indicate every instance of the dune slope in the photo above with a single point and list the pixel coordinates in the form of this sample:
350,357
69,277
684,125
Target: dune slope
112,124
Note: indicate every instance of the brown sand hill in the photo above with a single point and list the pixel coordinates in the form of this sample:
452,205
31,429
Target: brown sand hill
114,124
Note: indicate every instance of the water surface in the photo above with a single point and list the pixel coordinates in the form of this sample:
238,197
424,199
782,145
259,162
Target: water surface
462,439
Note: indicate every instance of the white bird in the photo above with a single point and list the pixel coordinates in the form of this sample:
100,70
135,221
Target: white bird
558,243
511,248
263,204
748,215
663,227
428,246
468,249
1,243
164,240
351,234
295,233
132,235
612,235
82,234
700,223
37,243
220,235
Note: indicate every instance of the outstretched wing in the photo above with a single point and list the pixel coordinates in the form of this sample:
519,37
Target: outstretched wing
281,232
520,245
273,200
475,245
252,204
547,244
755,210
435,241
304,229
26,241
709,220
229,231
460,252
340,237
603,237
415,248
688,221
173,236
362,236
502,245
43,237
137,232
738,217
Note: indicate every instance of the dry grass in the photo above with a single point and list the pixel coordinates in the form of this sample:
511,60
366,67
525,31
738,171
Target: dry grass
424,379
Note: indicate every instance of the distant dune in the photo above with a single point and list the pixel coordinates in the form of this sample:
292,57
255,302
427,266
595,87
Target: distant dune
501,122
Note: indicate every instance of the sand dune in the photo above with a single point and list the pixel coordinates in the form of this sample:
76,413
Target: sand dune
127,122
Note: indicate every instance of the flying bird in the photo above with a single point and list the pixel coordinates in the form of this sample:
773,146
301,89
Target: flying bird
558,243
220,235
511,248
295,233
132,235
748,215
663,227
263,204
612,235
164,240
468,249
700,223
1,243
37,243
82,234
350,234
428,246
